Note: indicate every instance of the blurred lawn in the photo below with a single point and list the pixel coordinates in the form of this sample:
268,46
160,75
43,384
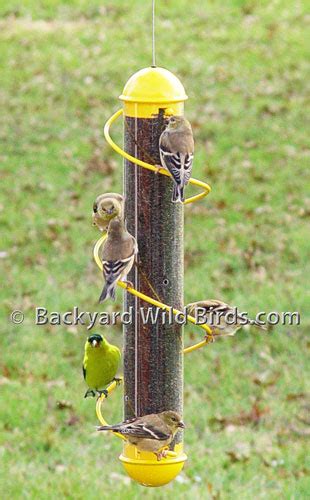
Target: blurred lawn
243,64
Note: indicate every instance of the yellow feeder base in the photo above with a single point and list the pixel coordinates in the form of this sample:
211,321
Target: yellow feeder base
144,468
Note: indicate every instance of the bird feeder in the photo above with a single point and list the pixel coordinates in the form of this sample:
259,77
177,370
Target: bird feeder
153,358
153,351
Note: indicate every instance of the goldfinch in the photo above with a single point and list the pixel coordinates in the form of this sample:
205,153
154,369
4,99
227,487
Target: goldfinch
222,318
176,149
106,207
118,256
100,364
151,432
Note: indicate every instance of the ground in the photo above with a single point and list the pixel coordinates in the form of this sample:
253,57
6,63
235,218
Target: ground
243,64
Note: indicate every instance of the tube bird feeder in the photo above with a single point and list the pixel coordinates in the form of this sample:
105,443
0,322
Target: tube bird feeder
153,357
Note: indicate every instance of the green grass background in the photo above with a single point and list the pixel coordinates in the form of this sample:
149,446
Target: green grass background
244,67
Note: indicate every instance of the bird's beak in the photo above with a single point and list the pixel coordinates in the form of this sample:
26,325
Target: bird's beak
94,343
181,425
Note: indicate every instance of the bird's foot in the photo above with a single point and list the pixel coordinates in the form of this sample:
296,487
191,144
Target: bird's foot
158,169
118,380
104,392
161,454
128,284
209,338
89,392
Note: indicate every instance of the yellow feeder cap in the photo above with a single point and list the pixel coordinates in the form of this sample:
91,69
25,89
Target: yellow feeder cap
153,85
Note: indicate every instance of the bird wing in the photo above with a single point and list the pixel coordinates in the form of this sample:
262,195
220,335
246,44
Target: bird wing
217,306
178,164
223,308
113,268
141,430
210,305
84,372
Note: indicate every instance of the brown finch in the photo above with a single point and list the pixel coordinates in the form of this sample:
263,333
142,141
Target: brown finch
151,432
176,148
222,318
105,208
118,256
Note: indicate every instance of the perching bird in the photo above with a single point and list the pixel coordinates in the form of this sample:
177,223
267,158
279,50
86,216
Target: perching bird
100,364
106,207
151,432
118,255
176,148
223,319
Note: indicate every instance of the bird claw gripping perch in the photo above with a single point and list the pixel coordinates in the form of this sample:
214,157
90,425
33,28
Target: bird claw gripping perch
90,392
128,284
209,338
162,453
158,169
103,392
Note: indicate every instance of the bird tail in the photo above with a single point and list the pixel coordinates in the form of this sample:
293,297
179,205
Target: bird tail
178,193
258,325
108,291
106,428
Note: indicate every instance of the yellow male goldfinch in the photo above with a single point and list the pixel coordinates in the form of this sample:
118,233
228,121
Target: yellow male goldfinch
222,318
100,364
151,432
176,148
106,207
118,256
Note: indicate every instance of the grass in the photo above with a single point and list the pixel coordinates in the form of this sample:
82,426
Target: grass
243,64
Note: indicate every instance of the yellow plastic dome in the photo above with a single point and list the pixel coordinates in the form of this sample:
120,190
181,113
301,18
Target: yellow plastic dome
146,470
153,85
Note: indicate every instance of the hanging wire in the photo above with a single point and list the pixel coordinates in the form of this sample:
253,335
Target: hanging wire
136,270
153,35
